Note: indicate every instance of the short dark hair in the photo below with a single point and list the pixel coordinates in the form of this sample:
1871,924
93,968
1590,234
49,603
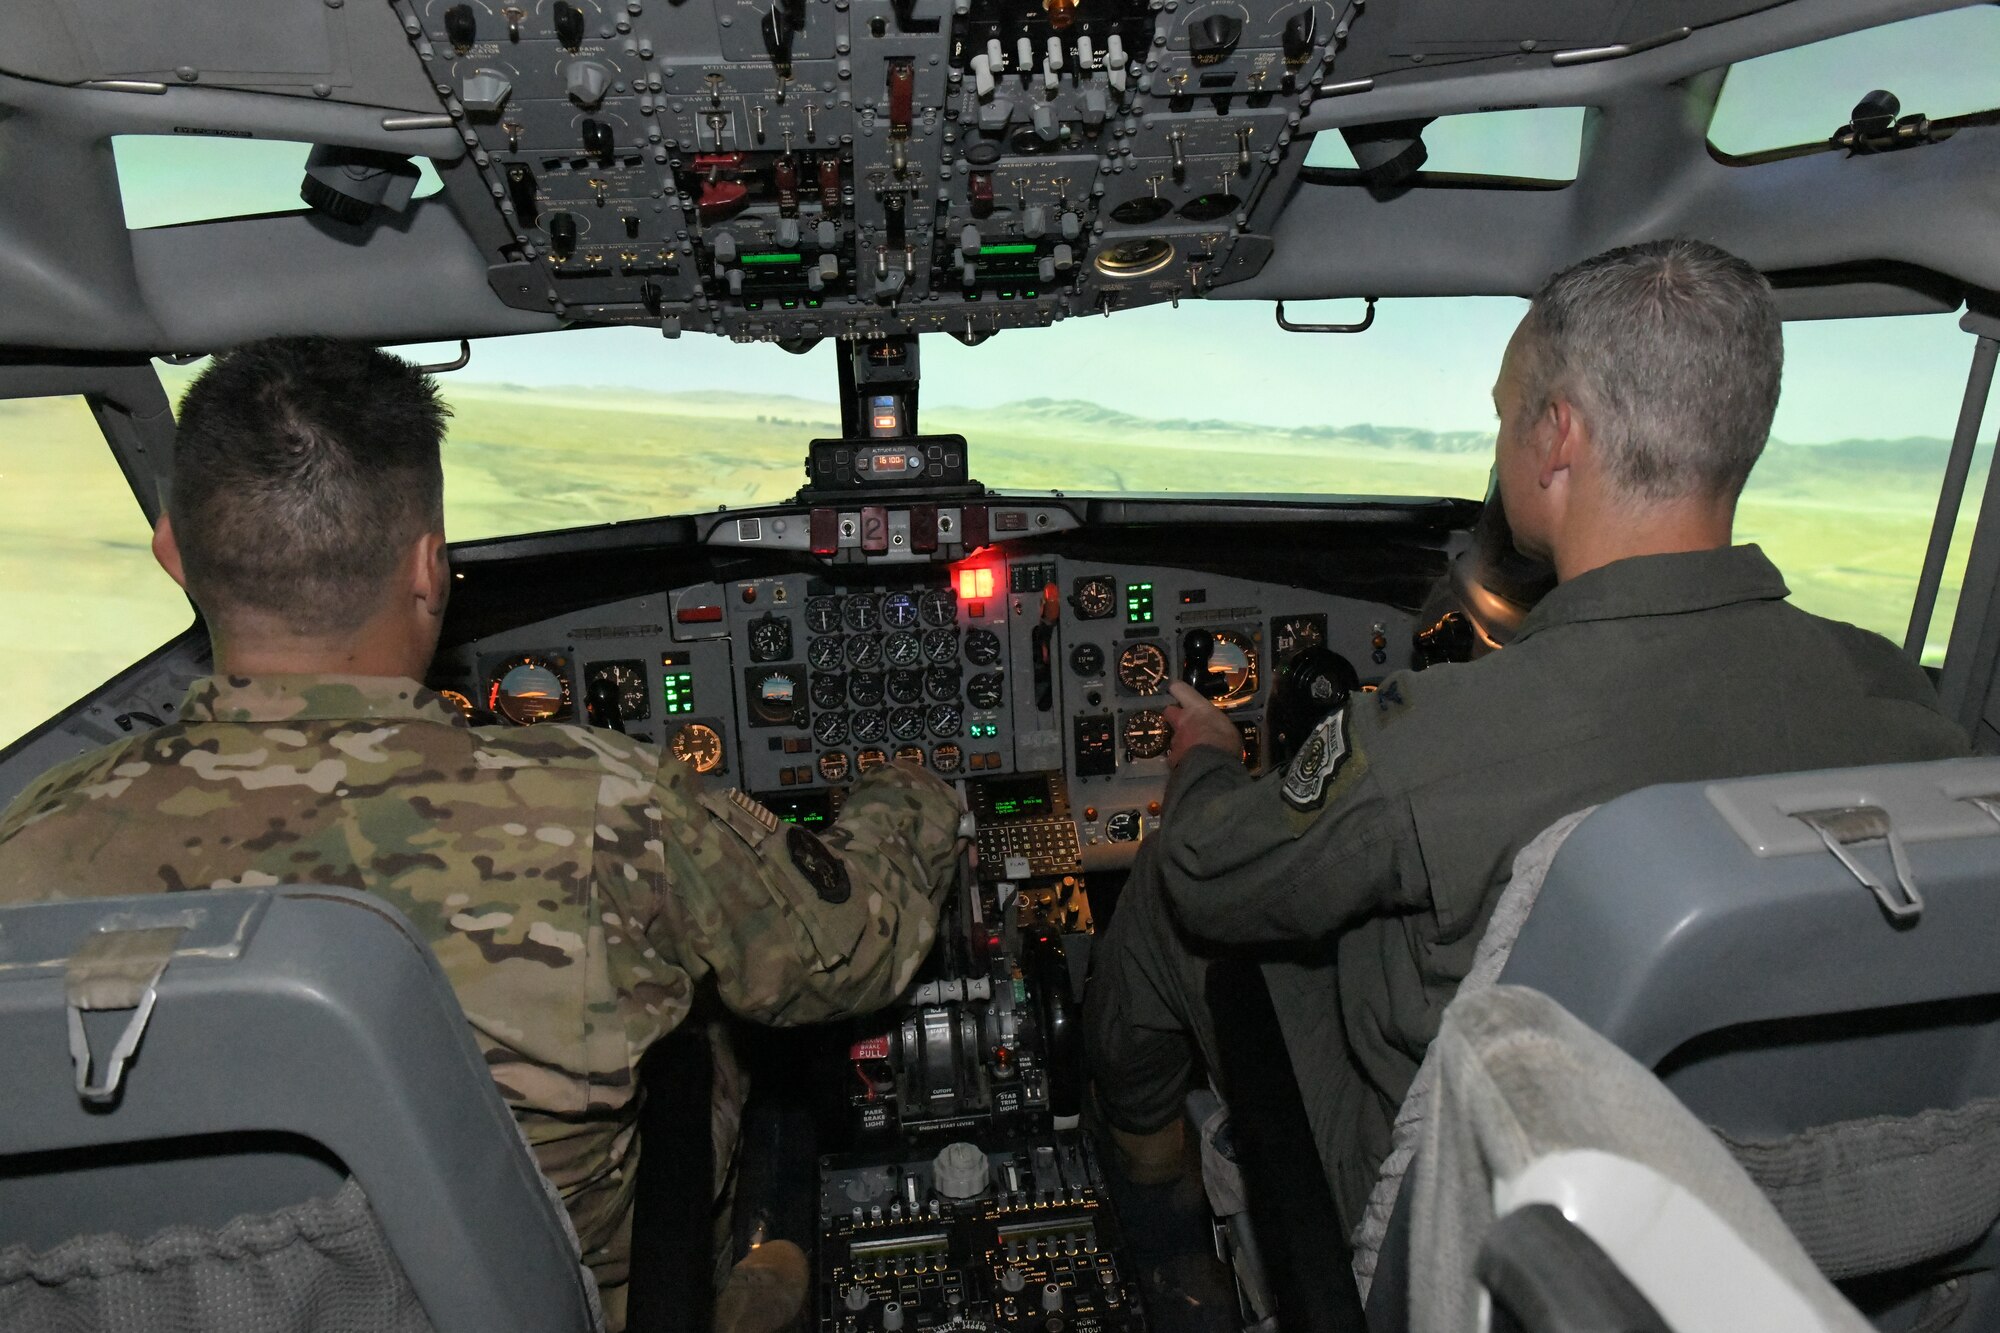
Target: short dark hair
1673,351
303,468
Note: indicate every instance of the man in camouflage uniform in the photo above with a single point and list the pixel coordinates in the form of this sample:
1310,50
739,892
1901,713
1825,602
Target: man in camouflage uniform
577,886
1633,401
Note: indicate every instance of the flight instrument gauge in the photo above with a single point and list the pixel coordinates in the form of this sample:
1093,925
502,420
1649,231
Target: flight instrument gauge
527,690
833,767
984,690
825,654
459,702
947,758
902,649
869,727
1094,598
698,746
865,688
865,650
941,683
627,683
940,645
906,724
906,687
899,610
1145,734
775,697
830,728
823,615
1087,659
1232,669
945,719
867,761
939,607
1142,668
770,639
982,647
828,691
860,612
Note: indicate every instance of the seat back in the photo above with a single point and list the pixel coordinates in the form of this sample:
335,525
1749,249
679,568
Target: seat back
1808,961
203,1072
1556,1172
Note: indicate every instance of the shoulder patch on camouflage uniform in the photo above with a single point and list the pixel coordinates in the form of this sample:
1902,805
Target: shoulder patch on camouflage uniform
755,808
1317,762
821,868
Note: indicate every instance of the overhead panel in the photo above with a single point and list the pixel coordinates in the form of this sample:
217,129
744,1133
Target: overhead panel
792,169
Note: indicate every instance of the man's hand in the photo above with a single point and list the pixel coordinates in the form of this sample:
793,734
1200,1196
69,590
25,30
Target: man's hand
1196,721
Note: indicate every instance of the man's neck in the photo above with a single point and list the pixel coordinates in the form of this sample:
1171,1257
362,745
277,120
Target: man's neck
1670,531
263,650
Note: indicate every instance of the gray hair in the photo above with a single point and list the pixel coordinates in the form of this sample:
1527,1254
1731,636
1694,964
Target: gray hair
1671,351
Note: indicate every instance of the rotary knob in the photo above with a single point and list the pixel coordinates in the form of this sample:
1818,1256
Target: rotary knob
959,1171
587,81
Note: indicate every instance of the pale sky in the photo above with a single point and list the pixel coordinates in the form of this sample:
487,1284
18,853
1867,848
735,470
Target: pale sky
1427,364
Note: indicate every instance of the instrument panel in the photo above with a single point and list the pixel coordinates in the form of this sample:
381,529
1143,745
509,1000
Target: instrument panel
1041,677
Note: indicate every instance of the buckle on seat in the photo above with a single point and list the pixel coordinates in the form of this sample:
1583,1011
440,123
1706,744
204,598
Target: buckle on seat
1843,827
115,969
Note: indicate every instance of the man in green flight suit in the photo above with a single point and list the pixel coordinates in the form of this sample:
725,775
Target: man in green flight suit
577,886
1633,400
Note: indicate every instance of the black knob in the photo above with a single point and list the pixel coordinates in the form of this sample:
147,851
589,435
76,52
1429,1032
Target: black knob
650,295
1197,646
562,235
1214,37
521,189
1301,34
569,24
461,25
597,138
1875,113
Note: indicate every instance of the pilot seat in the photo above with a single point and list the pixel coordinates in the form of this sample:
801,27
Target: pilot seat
259,1110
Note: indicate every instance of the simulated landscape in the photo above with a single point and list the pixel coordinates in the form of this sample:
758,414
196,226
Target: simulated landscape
1847,522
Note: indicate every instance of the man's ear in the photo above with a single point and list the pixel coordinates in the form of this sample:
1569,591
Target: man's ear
1560,435
167,549
430,573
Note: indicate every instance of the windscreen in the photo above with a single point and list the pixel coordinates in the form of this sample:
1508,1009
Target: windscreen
565,430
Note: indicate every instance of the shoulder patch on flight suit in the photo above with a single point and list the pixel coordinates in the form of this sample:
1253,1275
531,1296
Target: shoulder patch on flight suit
821,868
1317,762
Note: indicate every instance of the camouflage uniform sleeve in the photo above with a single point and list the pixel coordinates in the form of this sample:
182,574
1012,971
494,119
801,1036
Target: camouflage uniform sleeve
794,926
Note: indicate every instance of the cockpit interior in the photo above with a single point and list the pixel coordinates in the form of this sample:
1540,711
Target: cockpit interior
847,382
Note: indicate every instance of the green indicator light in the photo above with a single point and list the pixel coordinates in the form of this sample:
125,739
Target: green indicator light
1016,249
677,691
812,303
1030,295
791,305
776,257
1138,602
1006,296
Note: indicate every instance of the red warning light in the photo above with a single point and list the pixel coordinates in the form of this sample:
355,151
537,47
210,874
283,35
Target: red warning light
974,583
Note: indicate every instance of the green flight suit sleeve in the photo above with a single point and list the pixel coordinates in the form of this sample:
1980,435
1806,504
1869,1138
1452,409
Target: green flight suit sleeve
1295,855
799,927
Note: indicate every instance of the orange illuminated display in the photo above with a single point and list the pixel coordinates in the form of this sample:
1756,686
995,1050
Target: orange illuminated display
885,421
974,583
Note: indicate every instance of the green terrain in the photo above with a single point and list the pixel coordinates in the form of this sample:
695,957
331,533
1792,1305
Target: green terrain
1847,522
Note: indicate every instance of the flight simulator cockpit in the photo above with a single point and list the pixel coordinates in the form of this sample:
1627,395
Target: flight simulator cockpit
951,494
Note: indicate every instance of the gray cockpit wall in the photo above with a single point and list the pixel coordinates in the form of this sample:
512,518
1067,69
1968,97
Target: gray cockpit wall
84,301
